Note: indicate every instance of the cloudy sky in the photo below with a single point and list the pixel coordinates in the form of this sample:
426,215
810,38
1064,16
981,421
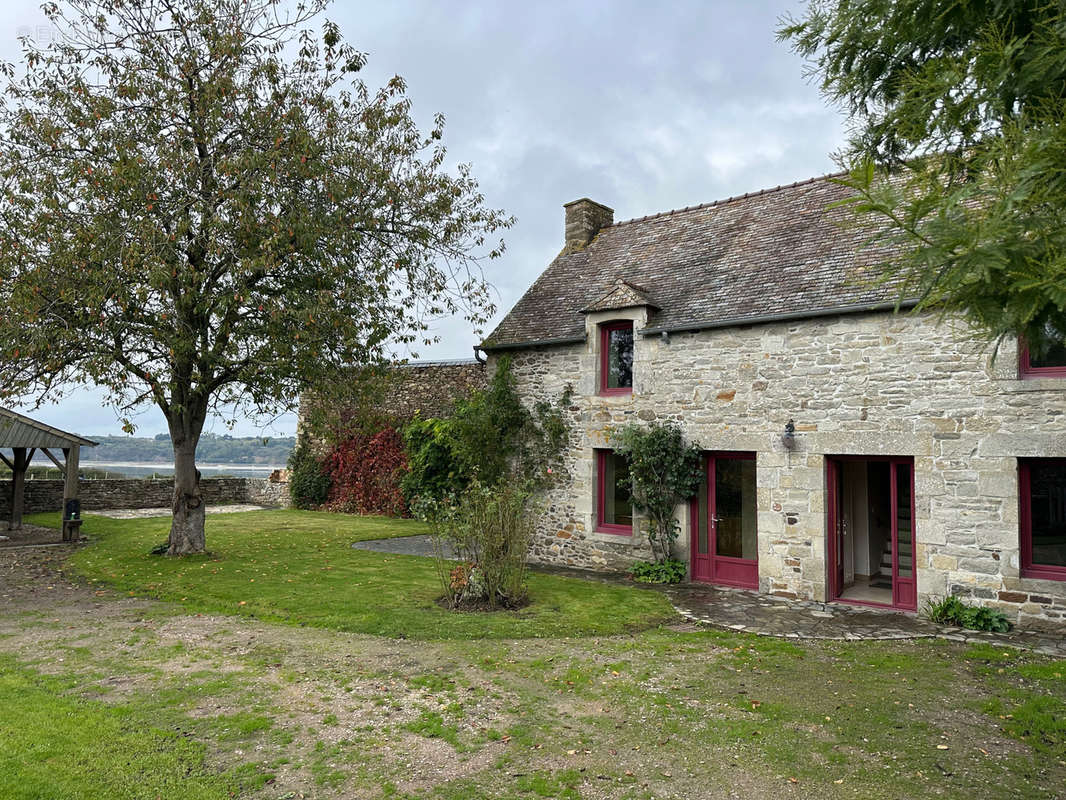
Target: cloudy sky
641,106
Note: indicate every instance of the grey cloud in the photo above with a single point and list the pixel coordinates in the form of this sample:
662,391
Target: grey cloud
642,106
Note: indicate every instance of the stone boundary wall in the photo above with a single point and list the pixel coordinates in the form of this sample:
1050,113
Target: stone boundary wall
423,388
429,389
47,495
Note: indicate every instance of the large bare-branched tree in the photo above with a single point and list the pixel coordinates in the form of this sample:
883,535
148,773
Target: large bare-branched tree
202,205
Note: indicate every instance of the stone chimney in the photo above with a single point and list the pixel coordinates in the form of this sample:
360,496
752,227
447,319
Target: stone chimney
584,218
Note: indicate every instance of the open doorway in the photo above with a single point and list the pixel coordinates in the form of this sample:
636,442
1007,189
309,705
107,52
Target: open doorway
871,532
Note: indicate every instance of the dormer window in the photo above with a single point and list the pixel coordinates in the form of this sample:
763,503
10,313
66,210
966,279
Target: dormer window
616,358
1050,363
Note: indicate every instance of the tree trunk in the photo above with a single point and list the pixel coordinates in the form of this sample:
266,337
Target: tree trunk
187,527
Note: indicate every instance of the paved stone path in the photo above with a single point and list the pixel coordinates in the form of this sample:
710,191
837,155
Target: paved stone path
764,615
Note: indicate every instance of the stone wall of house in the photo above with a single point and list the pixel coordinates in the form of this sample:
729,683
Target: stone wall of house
865,384
47,495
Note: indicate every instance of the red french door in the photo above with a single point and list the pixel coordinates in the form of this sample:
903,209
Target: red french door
898,507
837,526
724,541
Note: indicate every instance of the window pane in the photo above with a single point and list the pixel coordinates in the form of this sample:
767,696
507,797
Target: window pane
1047,486
1053,351
617,509
1054,356
702,540
735,507
620,358
904,523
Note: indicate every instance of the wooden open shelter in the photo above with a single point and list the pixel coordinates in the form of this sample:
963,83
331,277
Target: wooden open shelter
25,437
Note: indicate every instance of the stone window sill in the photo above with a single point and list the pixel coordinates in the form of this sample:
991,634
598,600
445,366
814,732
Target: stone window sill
612,537
614,399
1036,586
1014,385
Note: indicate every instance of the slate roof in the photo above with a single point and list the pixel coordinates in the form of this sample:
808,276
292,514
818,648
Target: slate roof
780,251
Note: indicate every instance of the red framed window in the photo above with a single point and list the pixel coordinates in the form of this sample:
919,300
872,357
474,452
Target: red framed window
614,504
616,358
1050,364
1042,517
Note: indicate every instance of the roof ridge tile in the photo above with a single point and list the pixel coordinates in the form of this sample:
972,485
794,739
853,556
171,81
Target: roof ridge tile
725,200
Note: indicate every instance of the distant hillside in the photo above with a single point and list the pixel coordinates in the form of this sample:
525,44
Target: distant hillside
211,450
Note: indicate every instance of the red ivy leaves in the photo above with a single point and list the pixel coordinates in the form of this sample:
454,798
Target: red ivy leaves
365,472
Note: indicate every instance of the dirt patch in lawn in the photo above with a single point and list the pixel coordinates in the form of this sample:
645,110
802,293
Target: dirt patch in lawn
30,535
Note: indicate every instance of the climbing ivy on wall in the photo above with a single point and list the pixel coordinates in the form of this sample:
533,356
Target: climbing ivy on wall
365,471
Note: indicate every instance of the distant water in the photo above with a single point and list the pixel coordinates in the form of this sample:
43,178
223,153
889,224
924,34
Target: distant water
139,469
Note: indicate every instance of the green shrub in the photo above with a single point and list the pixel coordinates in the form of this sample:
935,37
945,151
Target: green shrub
669,571
490,529
665,472
473,477
308,480
491,437
952,611
433,470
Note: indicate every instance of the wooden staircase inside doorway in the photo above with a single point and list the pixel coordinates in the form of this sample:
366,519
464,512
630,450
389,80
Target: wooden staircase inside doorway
883,579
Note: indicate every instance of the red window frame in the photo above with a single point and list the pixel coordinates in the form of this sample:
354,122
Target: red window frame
1026,370
601,498
1025,523
605,334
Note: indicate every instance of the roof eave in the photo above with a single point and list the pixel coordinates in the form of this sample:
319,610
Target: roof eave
829,311
40,427
593,310
761,319
488,348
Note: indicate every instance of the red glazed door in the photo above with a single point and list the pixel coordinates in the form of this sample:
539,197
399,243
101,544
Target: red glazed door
724,535
835,483
904,586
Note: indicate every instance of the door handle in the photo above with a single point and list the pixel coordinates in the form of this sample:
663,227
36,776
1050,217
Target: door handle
715,519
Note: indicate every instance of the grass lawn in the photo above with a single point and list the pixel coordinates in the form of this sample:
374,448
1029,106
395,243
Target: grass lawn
121,699
297,567
57,745
109,696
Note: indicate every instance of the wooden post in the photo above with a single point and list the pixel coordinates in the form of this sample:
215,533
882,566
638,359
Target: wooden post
18,483
71,526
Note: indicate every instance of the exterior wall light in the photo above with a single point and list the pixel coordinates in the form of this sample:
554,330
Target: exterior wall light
788,438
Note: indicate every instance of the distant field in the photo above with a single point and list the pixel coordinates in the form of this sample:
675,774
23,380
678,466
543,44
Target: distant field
212,449
129,469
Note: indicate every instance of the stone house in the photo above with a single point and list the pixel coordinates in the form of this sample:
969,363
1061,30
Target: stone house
852,452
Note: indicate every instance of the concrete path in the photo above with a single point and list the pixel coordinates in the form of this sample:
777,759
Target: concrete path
404,545
764,615
139,513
